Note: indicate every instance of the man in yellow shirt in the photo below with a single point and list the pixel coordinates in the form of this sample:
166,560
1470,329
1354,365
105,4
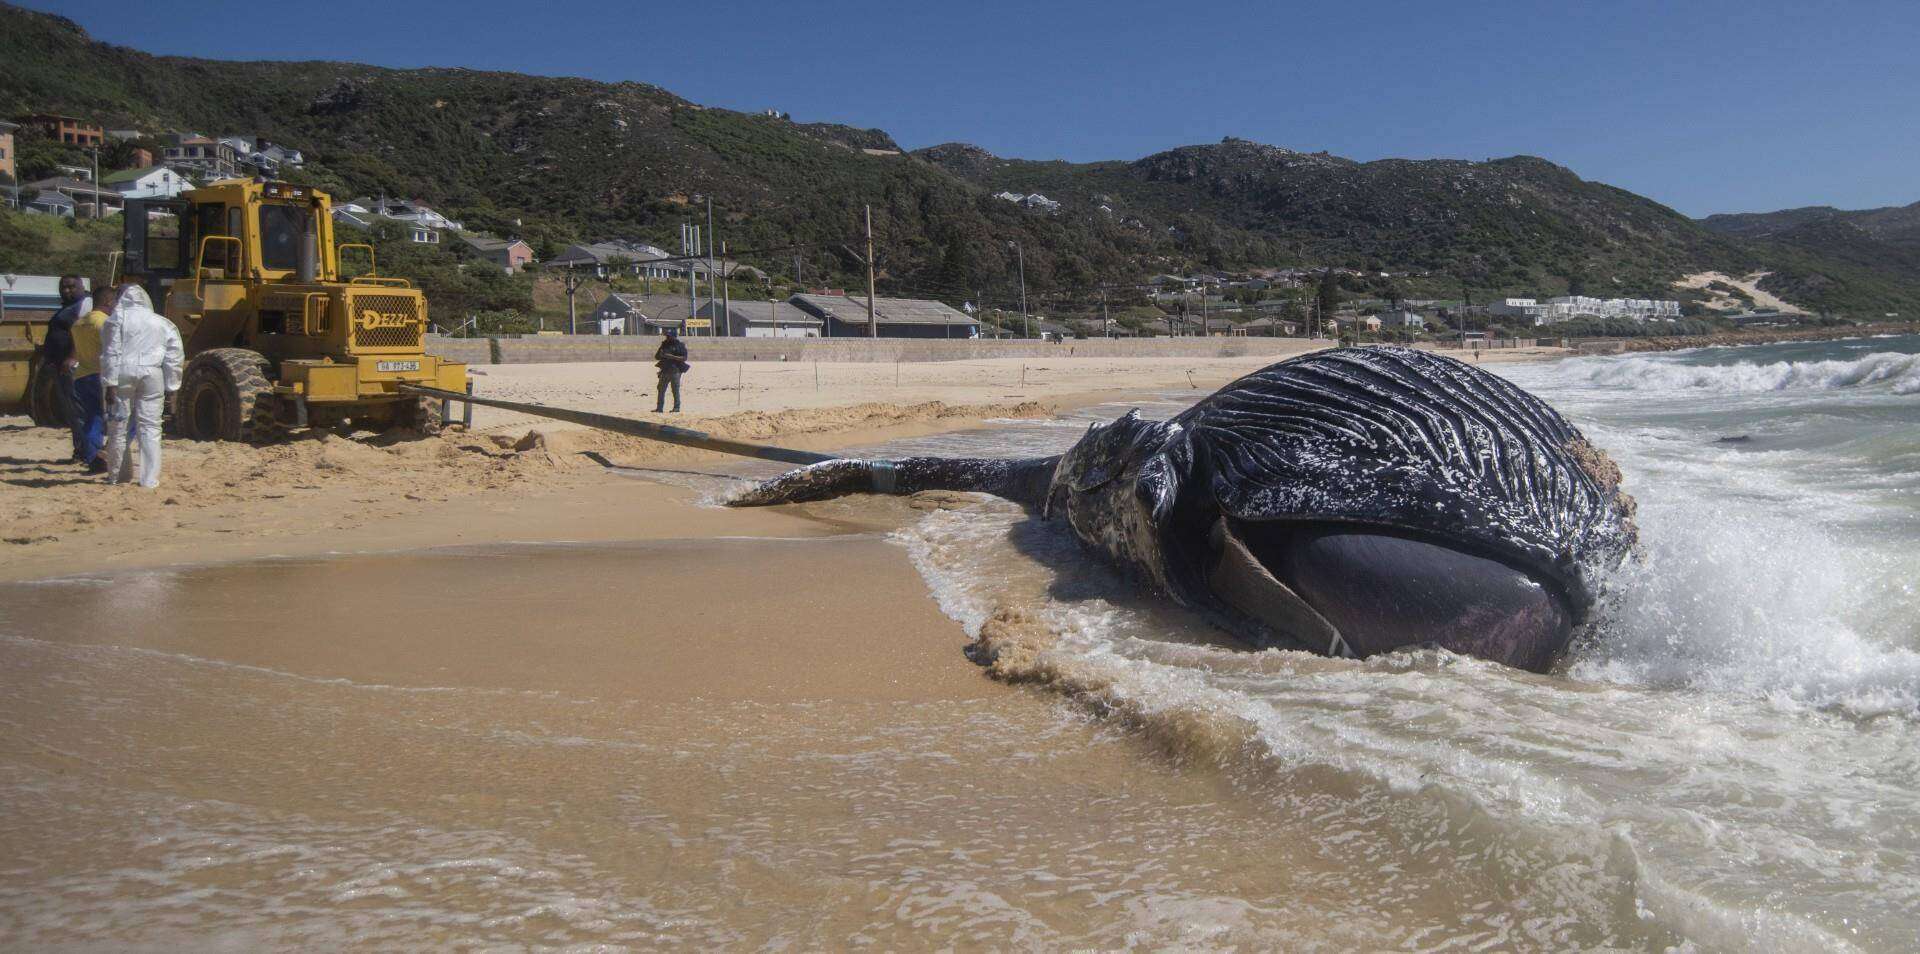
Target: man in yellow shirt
84,367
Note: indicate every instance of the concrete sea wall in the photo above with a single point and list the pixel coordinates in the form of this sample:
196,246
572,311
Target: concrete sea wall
549,349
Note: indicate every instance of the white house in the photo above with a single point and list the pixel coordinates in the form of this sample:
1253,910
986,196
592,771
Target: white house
413,212
153,182
1403,319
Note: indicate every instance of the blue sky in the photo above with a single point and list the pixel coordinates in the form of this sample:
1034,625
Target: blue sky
1706,106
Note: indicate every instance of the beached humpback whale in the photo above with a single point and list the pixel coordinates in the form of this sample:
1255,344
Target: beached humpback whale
1349,502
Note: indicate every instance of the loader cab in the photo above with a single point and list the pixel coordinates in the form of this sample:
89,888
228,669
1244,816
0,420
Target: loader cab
237,229
211,256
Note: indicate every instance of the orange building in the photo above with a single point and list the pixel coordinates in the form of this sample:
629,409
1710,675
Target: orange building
6,151
67,129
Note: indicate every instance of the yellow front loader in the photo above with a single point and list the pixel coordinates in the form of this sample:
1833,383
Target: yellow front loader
276,338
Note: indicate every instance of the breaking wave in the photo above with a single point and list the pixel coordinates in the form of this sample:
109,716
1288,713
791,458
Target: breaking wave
1899,373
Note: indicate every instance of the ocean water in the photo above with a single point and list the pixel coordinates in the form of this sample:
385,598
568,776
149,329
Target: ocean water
1733,763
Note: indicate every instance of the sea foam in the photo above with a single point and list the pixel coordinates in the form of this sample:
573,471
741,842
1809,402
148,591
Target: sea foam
1898,373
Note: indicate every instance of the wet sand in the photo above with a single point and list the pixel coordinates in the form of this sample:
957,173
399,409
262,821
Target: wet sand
723,743
696,743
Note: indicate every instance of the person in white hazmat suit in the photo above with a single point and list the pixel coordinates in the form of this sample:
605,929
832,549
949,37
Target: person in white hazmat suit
140,362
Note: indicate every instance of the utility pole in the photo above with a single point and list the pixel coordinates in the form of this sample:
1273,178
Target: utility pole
1466,302
690,245
1106,323
726,297
712,285
873,326
573,285
96,190
1026,325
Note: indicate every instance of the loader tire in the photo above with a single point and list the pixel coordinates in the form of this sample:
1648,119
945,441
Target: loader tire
42,406
420,416
218,394
268,428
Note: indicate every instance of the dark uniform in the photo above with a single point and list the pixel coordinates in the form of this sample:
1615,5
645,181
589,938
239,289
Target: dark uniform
671,359
54,354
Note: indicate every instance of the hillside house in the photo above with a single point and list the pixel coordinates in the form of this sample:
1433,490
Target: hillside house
83,194
159,182
66,130
207,157
49,202
354,214
410,211
629,258
7,167
1029,201
511,255
846,317
1412,321
265,156
761,319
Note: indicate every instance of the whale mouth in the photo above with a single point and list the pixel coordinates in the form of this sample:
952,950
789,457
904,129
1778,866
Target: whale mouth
1355,590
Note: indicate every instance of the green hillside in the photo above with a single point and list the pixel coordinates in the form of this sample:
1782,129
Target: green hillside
561,159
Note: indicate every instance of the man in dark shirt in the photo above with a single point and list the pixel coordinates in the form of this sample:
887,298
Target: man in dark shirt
57,353
671,359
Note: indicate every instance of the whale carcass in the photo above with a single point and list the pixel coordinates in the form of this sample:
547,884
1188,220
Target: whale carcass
1349,502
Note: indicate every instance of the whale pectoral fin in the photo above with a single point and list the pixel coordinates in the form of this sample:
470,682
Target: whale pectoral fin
1239,579
822,481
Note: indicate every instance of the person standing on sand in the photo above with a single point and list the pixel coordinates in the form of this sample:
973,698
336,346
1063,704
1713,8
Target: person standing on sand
57,353
89,395
671,359
140,365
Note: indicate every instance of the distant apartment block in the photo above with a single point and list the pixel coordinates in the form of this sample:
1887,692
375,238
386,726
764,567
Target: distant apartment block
1569,307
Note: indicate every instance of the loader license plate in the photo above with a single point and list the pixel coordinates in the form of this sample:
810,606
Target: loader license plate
398,365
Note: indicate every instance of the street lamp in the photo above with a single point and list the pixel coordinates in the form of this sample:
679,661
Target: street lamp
1026,327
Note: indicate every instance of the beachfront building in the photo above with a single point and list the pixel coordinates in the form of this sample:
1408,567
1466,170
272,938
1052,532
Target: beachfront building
846,317
760,319
1410,320
621,313
1571,307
